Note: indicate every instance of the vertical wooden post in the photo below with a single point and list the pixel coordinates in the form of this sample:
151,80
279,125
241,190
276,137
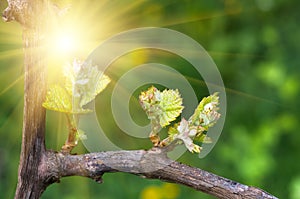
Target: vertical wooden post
30,14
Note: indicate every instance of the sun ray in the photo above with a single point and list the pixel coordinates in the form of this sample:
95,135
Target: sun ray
199,18
8,54
82,15
235,54
11,40
11,85
12,112
10,29
233,91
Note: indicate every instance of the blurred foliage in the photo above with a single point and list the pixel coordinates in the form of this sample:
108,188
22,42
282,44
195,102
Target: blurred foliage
165,191
255,45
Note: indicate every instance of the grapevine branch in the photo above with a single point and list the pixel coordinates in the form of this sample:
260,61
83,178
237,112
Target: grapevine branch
151,164
40,167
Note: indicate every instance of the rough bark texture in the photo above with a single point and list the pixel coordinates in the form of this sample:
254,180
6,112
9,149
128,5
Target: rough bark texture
152,164
30,183
39,167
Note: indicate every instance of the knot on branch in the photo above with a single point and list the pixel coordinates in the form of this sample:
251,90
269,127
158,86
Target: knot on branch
31,13
22,11
154,159
49,169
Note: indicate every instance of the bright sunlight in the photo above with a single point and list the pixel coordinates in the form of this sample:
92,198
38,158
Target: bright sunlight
65,43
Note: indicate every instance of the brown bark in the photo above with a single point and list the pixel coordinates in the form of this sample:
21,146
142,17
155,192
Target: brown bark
33,144
39,167
152,164
30,183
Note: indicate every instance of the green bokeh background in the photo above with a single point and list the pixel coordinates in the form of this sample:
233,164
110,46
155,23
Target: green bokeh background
255,45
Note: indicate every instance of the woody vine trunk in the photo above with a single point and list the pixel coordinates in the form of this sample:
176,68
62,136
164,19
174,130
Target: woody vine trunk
29,14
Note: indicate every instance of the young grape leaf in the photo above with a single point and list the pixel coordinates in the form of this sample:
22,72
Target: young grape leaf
194,129
93,87
206,114
58,99
85,81
70,72
171,105
164,106
186,134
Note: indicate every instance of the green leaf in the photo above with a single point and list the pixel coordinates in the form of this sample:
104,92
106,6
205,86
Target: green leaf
58,99
206,113
84,81
164,107
172,132
70,72
98,83
194,129
203,138
149,102
171,105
